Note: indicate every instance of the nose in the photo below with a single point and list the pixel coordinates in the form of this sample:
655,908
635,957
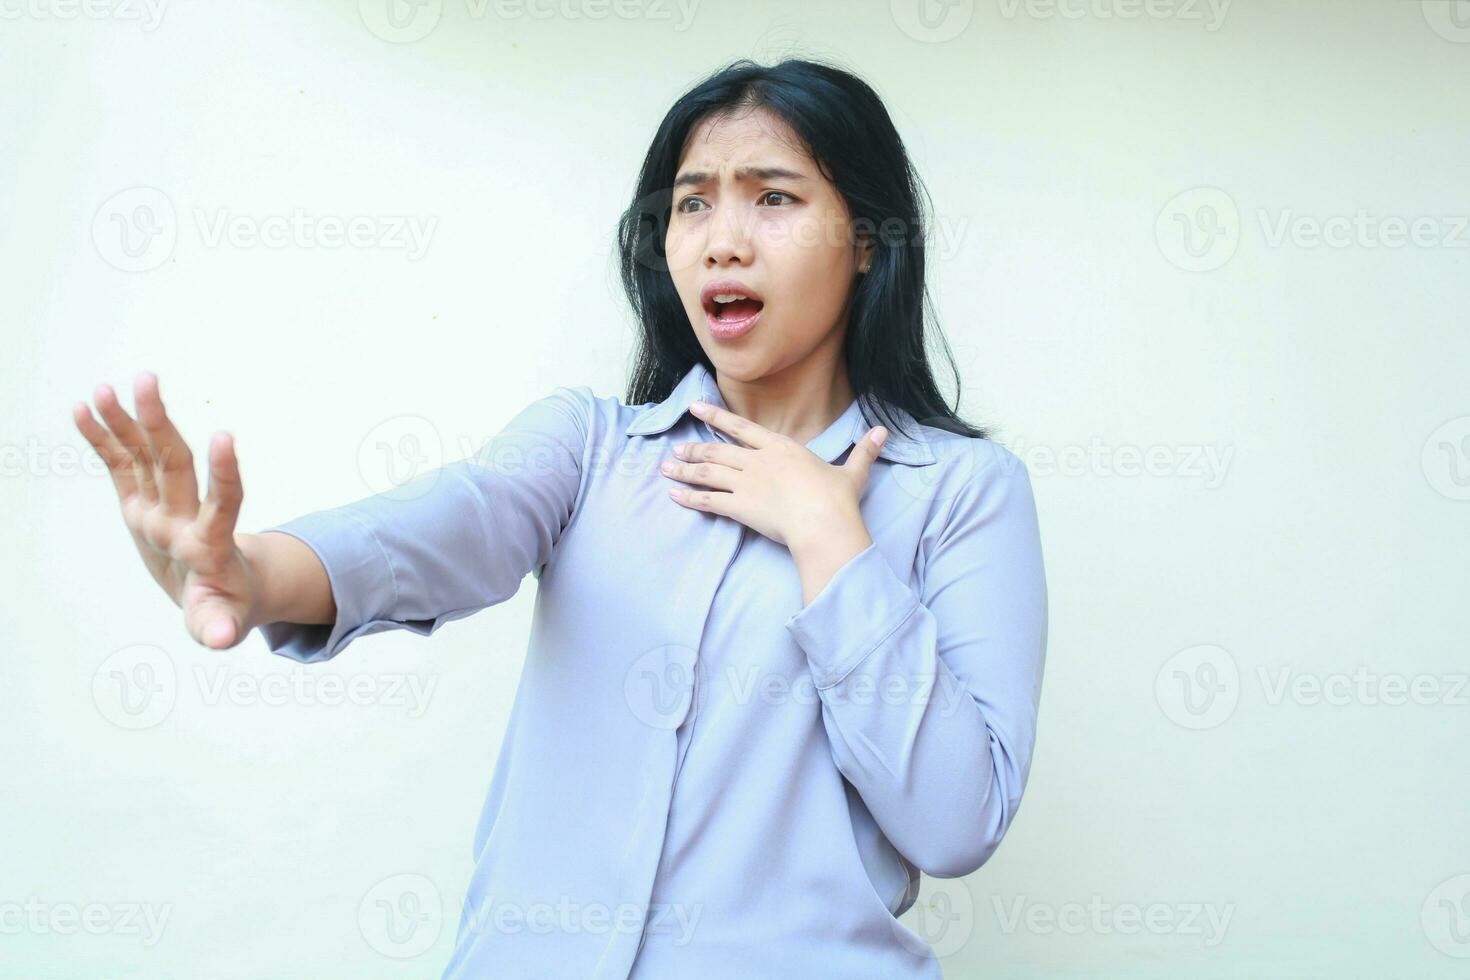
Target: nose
728,240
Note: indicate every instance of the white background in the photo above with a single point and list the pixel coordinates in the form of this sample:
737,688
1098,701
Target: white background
1295,512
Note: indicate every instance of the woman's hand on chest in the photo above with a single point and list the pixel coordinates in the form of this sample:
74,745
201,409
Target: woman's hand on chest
771,483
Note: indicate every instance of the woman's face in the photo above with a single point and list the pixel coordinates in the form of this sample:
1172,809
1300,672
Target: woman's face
751,208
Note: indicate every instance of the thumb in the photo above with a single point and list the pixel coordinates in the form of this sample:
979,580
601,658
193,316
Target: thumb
860,460
215,624
220,633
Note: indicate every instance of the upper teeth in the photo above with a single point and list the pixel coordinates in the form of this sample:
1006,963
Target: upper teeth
729,297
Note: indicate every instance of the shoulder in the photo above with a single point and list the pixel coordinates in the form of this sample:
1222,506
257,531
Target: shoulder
599,417
979,456
969,464
972,481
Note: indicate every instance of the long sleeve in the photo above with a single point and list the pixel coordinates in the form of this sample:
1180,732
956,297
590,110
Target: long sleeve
930,700
452,540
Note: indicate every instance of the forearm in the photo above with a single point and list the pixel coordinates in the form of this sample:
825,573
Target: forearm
819,553
940,763
930,674
291,581
920,750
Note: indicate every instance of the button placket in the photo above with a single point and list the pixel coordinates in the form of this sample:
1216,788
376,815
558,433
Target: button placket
688,728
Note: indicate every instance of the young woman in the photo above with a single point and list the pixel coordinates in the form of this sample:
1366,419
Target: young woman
791,618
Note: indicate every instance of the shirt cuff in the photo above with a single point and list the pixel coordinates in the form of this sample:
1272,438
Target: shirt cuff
860,606
362,583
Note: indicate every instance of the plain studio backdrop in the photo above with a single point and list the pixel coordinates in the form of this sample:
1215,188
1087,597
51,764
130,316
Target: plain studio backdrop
1204,266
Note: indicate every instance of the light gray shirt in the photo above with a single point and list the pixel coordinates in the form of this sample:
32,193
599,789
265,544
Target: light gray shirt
700,775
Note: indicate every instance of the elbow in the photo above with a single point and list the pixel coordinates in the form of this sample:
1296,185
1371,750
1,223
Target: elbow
963,829
966,849
958,860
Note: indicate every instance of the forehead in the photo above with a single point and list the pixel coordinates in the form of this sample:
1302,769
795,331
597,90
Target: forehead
745,133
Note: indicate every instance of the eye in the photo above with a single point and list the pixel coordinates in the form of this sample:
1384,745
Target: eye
682,205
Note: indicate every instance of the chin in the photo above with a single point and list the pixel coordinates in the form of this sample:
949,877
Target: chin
738,365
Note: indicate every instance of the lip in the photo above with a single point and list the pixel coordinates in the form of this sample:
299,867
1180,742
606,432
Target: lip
728,329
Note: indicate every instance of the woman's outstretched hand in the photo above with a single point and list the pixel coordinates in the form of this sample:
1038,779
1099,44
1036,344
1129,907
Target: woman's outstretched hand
189,548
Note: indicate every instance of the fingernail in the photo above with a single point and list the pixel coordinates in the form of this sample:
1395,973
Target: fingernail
879,434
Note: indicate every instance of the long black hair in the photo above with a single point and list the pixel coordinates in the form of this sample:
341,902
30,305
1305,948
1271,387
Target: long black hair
847,131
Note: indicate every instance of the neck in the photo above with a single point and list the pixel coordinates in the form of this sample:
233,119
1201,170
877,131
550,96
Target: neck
799,401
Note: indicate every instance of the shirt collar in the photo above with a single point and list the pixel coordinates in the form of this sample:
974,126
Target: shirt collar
846,429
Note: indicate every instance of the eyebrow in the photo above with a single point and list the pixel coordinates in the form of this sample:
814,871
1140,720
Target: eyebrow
696,177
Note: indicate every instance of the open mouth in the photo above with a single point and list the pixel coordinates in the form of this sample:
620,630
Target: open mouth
731,308
732,317
735,309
